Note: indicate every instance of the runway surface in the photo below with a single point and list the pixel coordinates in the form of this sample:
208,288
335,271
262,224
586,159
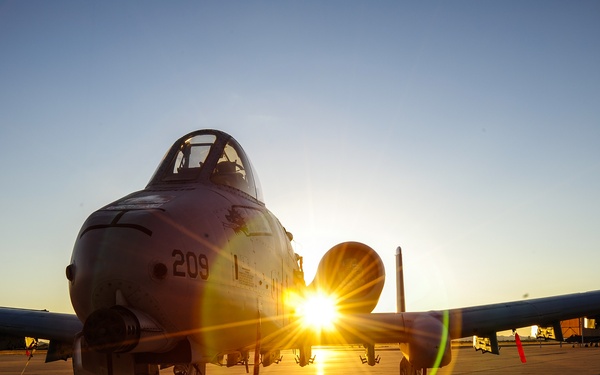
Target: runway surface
548,359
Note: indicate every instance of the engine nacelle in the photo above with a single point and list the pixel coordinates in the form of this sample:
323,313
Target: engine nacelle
429,343
354,274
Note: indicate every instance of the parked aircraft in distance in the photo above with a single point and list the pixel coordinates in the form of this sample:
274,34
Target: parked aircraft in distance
194,270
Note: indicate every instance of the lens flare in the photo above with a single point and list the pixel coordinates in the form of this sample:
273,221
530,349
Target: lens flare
318,311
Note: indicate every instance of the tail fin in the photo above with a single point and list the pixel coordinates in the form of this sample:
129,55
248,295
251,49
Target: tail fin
400,301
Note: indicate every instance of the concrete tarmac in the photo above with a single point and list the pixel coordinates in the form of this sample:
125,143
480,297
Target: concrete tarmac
548,359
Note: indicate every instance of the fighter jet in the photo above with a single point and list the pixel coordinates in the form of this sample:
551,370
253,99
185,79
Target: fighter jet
195,270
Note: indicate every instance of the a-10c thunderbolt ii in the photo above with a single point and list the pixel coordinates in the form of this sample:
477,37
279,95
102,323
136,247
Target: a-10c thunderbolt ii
194,270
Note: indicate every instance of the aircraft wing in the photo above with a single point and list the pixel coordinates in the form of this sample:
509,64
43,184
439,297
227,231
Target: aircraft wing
486,319
365,328
481,320
40,324
425,336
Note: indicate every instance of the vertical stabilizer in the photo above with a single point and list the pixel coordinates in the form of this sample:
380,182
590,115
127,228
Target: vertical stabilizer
400,301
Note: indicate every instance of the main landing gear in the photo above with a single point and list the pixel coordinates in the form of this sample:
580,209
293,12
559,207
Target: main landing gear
407,369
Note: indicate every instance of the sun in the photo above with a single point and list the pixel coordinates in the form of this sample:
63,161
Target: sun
318,311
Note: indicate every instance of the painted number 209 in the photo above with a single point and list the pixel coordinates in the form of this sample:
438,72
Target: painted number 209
190,264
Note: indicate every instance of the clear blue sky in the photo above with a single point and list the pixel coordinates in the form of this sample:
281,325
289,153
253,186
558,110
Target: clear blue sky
466,132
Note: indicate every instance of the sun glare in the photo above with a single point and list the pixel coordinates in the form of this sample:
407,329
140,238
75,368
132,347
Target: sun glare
318,311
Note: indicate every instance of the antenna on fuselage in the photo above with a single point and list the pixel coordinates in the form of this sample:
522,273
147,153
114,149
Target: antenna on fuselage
400,301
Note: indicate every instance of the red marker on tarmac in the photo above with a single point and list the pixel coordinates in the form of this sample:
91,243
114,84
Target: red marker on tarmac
520,348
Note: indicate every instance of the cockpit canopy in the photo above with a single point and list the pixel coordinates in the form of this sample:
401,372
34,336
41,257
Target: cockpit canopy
208,156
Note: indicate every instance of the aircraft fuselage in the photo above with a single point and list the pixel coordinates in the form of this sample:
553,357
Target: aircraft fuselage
200,261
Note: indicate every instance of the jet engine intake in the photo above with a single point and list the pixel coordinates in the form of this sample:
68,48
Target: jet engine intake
353,274
122,330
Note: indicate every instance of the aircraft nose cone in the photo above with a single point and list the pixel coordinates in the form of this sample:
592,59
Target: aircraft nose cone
118,251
